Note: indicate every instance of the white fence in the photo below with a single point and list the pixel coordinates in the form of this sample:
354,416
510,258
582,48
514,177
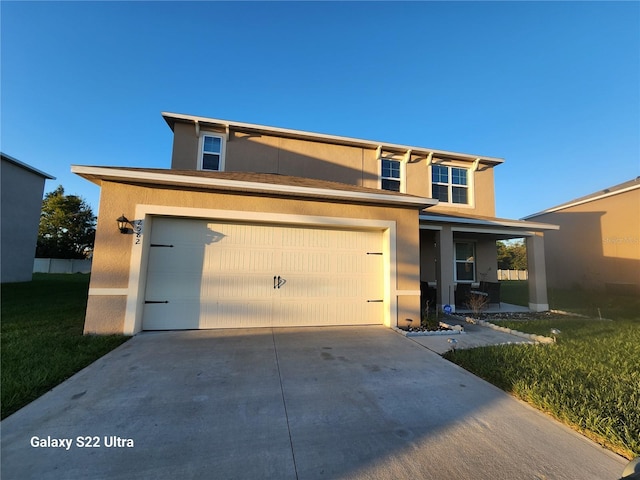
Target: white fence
61,265
513,274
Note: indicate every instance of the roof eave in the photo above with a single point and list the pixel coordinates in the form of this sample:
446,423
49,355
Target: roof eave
17,162
98,174
501,223
171,119
582,201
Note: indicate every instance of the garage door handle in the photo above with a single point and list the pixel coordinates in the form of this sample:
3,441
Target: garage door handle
375,301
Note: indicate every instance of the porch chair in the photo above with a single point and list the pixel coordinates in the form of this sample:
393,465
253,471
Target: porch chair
493,290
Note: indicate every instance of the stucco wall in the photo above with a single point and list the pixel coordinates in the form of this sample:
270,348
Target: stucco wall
21,203
185,147
598,243
112,253
486,261
253,152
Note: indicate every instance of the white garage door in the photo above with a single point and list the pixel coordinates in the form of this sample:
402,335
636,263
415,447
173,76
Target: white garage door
205,274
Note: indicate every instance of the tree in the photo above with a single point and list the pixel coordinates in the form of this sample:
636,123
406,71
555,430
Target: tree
512,255
67,226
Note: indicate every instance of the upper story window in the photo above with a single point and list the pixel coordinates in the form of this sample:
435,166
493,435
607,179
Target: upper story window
211,152
450,184
390,175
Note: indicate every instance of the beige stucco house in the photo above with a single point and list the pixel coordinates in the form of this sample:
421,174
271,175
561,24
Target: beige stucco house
259,226
598,244
21,203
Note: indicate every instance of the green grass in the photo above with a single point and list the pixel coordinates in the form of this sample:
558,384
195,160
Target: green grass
592,304
589,379
41,337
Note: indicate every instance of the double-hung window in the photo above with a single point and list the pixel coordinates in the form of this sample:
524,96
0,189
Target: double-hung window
211,153
465,270
450,184
390,177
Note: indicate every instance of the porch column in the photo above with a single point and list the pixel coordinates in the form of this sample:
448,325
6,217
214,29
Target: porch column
538,301
444,268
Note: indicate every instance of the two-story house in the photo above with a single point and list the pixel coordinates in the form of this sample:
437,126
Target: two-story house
256,226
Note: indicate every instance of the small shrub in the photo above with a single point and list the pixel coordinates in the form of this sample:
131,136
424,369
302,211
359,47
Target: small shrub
429,320
477,303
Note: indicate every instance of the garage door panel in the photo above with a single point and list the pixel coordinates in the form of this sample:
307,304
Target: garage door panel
241,236
293,313
167,286
165,316
221,275
220,259
237,314
237,286
172,260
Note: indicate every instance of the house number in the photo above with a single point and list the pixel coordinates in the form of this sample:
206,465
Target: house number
137,230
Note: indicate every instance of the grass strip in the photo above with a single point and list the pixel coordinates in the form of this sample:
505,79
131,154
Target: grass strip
41,337
589,379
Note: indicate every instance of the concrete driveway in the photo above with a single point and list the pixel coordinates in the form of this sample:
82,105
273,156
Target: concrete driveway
303,403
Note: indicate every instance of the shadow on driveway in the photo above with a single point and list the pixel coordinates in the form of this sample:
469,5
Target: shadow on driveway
306,403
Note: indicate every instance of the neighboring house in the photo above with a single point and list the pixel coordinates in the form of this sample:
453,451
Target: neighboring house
261,226
598,244
21,203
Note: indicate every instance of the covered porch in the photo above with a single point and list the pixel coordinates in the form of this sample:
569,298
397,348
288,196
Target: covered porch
458,258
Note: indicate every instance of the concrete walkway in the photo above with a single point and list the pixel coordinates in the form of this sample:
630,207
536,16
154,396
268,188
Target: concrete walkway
495,308
474,336
303,403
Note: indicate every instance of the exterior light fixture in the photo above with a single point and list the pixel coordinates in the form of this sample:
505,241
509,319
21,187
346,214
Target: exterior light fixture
122,223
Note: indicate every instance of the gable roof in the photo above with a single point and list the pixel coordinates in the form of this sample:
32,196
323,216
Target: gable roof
263,183
229,125
23,165
607,192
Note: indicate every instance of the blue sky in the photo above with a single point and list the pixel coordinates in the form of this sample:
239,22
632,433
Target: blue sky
552,87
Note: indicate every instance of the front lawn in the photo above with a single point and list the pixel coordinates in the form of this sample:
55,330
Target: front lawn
592,304
589,379
41,337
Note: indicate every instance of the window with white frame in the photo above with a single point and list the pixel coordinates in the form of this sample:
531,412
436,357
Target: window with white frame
465,263
211,152
450,184
390,176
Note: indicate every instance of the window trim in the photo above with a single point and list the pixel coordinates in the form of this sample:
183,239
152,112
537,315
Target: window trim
470,185
223,147
402,178
456,261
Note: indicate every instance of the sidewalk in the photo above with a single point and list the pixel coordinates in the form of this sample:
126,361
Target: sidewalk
473,336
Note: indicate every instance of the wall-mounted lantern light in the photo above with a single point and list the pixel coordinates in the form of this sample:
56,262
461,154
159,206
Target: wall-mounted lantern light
122,224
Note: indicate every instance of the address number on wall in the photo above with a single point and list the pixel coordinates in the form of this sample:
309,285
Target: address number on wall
137,231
